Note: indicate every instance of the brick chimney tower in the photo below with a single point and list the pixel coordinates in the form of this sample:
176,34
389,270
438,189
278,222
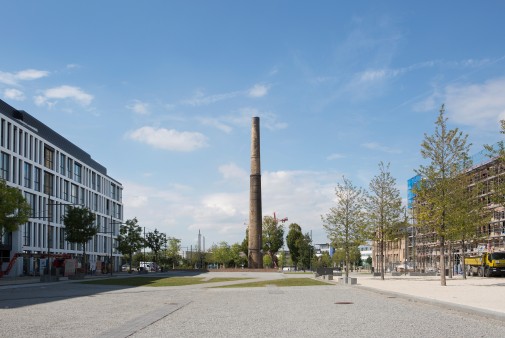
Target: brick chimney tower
255,255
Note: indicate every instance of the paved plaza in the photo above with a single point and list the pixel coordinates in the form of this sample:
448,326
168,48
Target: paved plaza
397,306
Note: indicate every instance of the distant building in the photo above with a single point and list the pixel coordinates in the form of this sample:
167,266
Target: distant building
419,248
366,251
325,247
52,172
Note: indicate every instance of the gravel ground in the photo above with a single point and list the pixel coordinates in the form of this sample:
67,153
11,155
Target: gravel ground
79,310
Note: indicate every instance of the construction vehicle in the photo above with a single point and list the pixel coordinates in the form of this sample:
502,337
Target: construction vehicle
486,264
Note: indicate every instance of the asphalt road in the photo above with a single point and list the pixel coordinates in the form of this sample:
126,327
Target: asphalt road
81,310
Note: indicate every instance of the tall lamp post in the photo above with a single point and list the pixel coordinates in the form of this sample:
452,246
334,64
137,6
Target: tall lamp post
112,222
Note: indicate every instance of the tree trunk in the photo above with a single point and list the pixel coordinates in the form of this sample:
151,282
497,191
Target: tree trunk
84,258
451,265
442,261
382,258
347,262
463,249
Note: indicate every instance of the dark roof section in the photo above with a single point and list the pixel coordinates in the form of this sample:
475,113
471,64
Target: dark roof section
51,136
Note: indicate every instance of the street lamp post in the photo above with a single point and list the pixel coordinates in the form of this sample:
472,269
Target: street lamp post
112,222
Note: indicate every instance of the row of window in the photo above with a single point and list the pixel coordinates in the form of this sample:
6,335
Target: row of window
31,177
35,238
28,146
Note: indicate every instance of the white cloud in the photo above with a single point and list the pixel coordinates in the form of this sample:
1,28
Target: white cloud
233,171
180,211
268,120
200,99
139,107
169,139
216,123
480,105
334,156
14,94
258,90
13,79
377,146
63,92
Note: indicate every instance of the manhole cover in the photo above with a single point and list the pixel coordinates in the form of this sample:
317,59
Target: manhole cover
343,303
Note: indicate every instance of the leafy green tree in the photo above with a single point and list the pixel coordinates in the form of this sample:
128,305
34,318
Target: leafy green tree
239,258
293,242
466,212
346,223
14,209
80,227
173,250
244,247
338,257
156,241
385,210
130,239
267,261
325,260
446,150
497,152
273,237
306,251
281,258
222,253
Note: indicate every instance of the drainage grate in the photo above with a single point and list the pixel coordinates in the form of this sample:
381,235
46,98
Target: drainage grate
343,303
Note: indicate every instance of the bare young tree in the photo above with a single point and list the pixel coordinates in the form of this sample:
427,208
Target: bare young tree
446,151
346,224
385,210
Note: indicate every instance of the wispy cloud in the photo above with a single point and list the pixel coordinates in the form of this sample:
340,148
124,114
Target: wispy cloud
258,90
233,172
216,123
139,107
14,94
200,99
13,79
377,146
334,156
169,139
63,92
267,119
481,105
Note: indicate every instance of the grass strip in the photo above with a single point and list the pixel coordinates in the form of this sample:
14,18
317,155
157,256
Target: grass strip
158,281
286,282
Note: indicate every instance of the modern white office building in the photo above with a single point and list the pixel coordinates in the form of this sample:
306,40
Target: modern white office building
53,173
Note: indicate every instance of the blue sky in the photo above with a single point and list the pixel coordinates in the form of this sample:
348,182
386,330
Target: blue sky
162,93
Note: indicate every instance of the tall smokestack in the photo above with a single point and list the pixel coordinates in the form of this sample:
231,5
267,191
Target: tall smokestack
255,214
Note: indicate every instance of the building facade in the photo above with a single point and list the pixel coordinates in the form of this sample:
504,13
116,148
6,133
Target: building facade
53,173
422,249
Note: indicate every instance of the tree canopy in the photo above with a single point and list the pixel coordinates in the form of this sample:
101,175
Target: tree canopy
273,237
446,151
385,210
14,209
156,241
79,226
346,223
293,240
130,238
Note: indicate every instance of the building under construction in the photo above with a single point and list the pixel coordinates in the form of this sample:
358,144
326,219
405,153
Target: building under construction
419,249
